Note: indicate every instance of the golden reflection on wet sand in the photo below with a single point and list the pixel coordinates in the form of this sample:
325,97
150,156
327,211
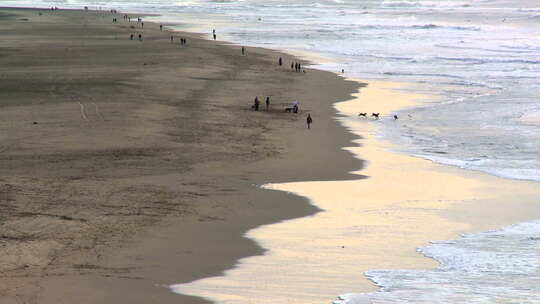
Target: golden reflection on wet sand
372,223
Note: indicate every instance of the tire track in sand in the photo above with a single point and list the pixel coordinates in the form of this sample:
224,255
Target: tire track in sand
83,112
97,111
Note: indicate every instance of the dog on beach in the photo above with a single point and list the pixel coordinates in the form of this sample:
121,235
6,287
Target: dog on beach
363,114
375,115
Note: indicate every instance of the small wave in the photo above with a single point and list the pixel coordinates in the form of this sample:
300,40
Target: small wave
469,60
488,166
420,27
488,267
434,26
401,58
482,49
423,75
400,4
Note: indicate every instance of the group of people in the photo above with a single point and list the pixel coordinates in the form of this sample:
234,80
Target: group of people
131,37
257,103
183,41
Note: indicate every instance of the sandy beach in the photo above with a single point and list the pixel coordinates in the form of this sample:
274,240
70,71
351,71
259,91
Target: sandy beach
127,166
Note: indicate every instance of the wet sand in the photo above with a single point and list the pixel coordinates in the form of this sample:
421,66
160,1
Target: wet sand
376,222
127,166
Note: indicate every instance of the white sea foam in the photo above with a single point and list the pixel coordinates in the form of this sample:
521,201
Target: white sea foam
492,267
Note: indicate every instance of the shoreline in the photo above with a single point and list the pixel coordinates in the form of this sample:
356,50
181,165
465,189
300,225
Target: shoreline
156,242
386,216
206,237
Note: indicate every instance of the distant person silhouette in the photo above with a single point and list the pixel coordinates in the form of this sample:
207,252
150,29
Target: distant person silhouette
256,103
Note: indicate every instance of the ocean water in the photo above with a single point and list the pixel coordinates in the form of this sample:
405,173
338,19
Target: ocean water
479,59
500,266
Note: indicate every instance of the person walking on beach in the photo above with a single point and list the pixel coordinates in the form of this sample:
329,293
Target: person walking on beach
140,37
256,103
309,121
243,50
280,61
131,37
292,65
161,27
214,33
172,38
142,24
267,102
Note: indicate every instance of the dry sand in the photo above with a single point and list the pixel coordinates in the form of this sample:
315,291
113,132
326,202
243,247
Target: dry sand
370,223
127,166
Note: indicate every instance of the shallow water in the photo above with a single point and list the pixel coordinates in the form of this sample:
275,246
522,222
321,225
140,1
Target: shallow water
500,266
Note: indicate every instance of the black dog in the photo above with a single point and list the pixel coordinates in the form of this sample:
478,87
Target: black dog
363,114
376,115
